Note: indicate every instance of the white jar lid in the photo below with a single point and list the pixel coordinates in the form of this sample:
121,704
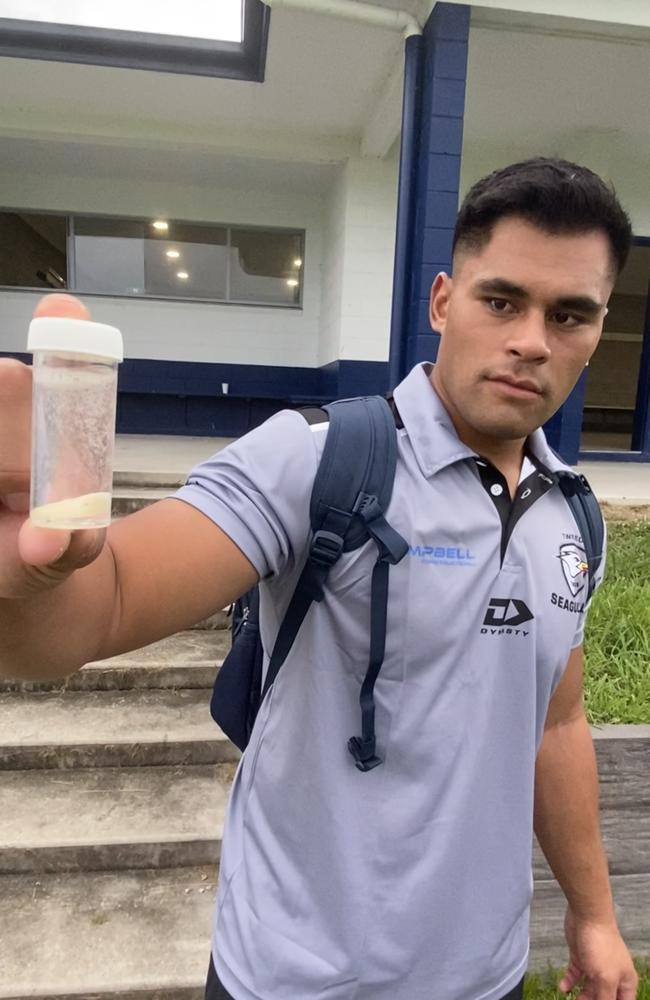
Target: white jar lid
75,336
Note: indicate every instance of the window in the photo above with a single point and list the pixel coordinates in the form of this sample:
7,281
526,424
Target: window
225,38
265,266
161,258
33,250
195,18
118,257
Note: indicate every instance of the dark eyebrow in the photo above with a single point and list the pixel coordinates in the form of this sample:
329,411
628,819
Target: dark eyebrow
572,303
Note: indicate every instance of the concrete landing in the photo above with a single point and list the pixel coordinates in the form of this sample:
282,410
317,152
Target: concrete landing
185,660
140,935
94,819
109,728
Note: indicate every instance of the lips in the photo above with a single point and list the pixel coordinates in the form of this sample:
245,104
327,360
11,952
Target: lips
524,384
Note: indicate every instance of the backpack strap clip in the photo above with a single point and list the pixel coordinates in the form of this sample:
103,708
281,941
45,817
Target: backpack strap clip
391,545
325,548
364,754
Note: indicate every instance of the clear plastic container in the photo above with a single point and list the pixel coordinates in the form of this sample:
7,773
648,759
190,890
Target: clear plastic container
73,421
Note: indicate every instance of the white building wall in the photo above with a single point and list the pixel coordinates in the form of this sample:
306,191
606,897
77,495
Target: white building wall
334,229
177,330
629,177
634,12
371,211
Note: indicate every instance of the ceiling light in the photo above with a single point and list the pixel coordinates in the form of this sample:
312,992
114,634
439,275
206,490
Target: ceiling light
174,254
297,262
183,275
160,225
292,282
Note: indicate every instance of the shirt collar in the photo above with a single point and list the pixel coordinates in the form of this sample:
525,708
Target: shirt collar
432,434
428,425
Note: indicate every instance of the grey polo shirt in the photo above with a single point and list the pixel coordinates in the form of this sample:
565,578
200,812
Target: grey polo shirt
412,881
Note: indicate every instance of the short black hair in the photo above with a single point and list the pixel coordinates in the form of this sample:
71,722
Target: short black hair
558,197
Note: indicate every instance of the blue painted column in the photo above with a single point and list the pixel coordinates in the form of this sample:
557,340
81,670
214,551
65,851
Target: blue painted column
564,429
442,107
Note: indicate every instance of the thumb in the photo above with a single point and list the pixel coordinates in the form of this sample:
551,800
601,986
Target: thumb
571,978
42,546
59,550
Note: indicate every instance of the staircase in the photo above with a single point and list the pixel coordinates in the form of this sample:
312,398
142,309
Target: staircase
113,787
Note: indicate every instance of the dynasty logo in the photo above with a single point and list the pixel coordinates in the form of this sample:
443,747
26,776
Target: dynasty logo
505,615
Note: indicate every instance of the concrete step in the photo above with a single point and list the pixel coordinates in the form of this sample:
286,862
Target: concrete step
137,480
185,660
98,819
139,935
126,500
144,934
109,729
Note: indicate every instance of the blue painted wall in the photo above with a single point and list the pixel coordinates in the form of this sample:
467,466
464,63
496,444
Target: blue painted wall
181,397
446,37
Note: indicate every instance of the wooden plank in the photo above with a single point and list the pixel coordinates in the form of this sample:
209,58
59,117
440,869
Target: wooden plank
632,898
624,772
626,833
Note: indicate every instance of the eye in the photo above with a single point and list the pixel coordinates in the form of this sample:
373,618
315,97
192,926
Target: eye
566,320
501,306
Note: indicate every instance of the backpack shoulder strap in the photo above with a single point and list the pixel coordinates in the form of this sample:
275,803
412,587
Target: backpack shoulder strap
352,489
589,519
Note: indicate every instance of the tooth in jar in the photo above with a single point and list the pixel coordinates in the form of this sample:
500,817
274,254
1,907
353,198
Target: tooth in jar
73,421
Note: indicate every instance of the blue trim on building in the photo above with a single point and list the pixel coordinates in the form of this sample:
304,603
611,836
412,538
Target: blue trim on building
613,456
564,429
437,183
184,397
641,427
404,243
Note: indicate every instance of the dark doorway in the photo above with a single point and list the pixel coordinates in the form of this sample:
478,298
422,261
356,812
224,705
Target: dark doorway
615,416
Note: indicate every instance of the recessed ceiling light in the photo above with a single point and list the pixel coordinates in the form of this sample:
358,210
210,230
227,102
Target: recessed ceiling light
160,225
183,275
292,282
174,254
297,262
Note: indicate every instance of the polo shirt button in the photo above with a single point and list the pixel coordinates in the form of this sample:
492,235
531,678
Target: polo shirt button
496,490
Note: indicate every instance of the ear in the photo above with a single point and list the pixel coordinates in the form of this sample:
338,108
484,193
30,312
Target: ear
439,302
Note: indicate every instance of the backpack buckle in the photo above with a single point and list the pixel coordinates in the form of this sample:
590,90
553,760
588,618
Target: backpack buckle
326,547
363,751
368,508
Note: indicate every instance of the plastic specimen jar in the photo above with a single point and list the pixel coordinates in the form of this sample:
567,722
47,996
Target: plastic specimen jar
74,400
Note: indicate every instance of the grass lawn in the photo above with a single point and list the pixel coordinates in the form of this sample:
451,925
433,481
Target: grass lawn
617,642
543,987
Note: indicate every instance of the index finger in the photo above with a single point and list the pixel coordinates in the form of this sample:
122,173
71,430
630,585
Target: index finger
58,304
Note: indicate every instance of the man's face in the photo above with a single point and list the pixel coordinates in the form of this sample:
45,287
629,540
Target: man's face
519,322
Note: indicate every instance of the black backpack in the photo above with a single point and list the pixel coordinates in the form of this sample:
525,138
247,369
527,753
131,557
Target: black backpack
351,493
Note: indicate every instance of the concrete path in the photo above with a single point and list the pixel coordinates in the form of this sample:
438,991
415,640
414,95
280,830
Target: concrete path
162,462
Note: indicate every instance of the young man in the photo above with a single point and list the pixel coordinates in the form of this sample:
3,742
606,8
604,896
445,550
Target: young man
411,881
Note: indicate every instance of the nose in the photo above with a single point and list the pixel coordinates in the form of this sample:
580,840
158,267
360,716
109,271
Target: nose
528,339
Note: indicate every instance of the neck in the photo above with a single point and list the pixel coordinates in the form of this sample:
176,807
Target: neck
506,455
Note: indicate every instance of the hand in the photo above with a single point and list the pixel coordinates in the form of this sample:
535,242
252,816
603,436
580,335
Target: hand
32,559
598,960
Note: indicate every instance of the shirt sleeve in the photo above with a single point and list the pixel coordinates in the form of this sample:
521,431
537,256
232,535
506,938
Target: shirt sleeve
257,490
579,636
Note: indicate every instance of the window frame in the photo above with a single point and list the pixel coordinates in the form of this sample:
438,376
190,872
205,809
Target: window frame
71,276
245,60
